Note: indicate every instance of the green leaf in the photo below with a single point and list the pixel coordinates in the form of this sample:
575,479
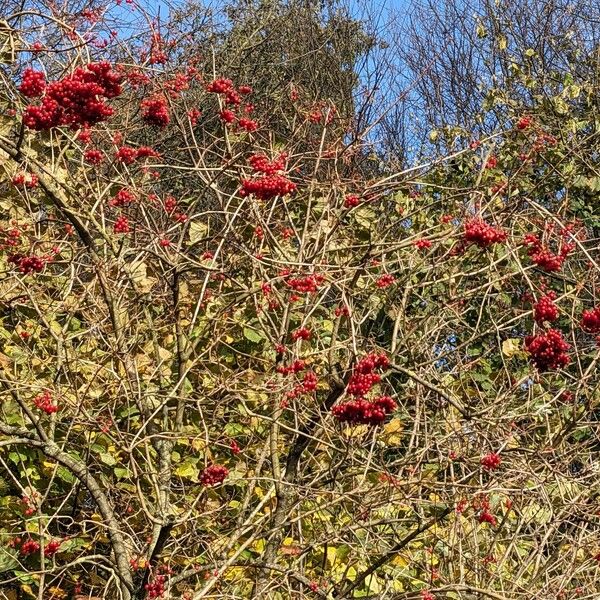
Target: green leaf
187,470
108,459
121,473
252,335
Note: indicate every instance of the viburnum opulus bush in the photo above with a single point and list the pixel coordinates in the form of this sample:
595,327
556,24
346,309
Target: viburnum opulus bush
236,365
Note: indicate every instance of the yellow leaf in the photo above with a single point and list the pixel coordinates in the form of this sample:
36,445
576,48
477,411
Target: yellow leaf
511,347
27,589
357,431
393,426
400,561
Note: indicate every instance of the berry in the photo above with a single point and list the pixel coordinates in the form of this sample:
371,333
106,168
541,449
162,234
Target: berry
220,86
27,180
227,116
364,412
76,100
146,152
487,517
213,475
94,157
126,155
306,285
543,257
351,200
156,587
423,244
122,198
545,309
33,83
46,403
303,333
122,225
52,547
27,264
523,123
248,124
491,461
29,547
590,320
548,350
194,114
478,232
155,111
363,378
385,281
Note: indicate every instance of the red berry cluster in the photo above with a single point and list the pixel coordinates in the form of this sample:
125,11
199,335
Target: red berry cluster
227,116
213,475
33,83
308,385
146,152
11,238
524,122
590,320
491,162
485,516
548,350
543,257
247,124
157,54
491,461
122,225
27,180
363,378
45,402
29,547
233,97
226,88
267,187
137,78
261,164
351,200
155,111
385,281
272,183
156,587
179,83
423,244
27,264
364,412
545,309
126,155
342,311
29,506
305,285
303,333
295,367
478,232
52,547
427,595
94,157
76,100
123,197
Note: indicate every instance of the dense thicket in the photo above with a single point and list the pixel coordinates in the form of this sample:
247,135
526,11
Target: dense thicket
278,323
